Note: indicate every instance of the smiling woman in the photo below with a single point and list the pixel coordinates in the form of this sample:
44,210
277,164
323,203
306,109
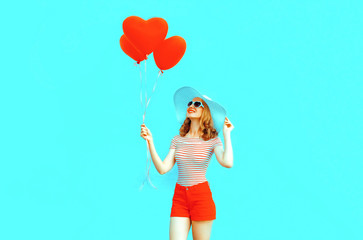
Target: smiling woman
192,149
198,121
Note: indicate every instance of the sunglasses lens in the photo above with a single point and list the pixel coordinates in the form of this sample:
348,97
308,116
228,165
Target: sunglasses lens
197,104
190,103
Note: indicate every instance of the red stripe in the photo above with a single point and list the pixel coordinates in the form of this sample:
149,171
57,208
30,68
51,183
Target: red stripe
193,156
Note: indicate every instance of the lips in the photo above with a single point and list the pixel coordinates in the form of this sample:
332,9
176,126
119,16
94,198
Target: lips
191,111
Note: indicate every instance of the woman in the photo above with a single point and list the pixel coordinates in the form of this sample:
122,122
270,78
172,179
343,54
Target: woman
201,120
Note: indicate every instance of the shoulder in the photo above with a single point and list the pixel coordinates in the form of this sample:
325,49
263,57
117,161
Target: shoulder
176,137
215,139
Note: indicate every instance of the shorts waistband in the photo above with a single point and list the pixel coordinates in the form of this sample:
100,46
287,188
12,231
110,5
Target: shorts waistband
193,187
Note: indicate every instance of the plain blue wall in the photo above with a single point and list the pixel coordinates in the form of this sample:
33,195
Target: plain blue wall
289,74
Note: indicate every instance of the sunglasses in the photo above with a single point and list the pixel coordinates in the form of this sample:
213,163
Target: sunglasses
196,104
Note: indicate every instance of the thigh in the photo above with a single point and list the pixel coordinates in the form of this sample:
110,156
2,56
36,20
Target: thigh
179,228
179,206
202,229
202,204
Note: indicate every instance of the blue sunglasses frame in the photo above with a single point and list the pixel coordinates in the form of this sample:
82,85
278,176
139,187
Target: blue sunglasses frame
193,103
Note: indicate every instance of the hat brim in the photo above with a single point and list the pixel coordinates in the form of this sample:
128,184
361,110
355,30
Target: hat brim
185,94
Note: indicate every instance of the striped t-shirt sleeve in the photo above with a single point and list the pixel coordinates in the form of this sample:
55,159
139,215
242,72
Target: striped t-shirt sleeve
217,142
173,144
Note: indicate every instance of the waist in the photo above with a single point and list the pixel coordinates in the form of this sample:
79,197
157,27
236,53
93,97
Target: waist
193,187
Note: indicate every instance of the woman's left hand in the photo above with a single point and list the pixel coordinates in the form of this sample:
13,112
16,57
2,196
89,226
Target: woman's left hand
228,126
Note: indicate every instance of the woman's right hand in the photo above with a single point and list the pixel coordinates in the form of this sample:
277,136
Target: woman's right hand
146,133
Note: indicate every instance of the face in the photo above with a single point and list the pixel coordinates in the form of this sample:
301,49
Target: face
193,112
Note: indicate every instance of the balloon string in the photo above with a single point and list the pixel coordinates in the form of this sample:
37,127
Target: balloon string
156,82
148,101
148,170
143,117
140,87
148,157
141,108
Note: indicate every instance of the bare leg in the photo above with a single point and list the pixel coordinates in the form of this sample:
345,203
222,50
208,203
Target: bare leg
179,228
202,229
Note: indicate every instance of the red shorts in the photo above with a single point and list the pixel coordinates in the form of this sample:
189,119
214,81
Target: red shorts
195,202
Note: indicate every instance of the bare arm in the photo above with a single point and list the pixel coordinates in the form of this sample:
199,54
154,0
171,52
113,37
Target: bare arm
228,152
225,158
162,166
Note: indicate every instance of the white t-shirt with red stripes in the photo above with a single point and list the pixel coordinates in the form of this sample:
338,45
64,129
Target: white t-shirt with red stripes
192,156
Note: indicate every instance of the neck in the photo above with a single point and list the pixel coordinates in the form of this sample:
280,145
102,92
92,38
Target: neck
194,128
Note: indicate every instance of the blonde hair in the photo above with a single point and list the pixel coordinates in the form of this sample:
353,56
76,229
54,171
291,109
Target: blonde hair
206,124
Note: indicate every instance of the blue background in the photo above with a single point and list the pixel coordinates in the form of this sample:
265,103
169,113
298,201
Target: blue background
289,74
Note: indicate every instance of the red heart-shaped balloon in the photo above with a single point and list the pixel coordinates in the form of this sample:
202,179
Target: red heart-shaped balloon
130,50
145,35
169,52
